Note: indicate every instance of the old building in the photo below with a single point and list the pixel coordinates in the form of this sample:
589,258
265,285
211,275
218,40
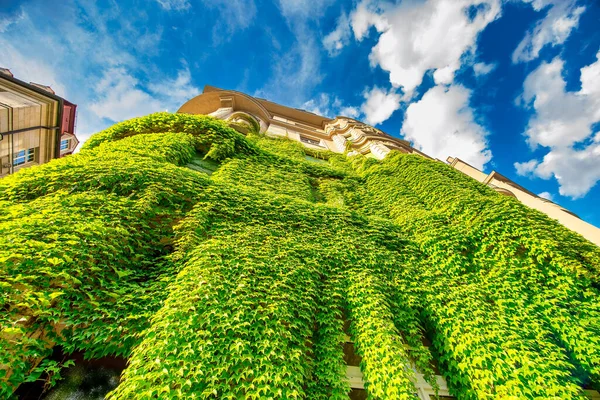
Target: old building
36,125
215,265
342,133
314,131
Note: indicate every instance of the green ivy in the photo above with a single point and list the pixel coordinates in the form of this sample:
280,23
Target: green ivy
224,266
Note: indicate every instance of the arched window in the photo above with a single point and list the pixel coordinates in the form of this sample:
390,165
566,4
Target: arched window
244,123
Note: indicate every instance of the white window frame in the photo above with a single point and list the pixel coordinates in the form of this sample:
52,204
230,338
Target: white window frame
23,157
311,141
424,390
65,144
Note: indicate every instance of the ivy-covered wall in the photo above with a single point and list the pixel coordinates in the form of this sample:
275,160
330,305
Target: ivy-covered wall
238,284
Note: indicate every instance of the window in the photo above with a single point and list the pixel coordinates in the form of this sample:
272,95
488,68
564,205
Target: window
358,394
24,156
314,142
65,144
315,160
357,385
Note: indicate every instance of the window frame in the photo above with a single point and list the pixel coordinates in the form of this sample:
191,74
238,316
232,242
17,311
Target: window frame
24,156
311,141
67,143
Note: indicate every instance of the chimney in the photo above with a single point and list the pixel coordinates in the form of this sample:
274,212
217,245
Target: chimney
6,71
43,87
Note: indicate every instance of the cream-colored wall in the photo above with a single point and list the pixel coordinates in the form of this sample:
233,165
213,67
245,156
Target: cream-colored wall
588,231
3,119
288,132
24,108
25,117
282,127
5,142
471,171
277,131
292,122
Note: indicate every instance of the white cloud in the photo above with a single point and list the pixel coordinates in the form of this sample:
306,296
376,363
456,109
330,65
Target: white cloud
366,15
563,122
233,15
561,18
297,71
352,112
546,195
441,124
576,171
318,105
304,9
230,16
526,168
481,68
561,118
176,5
122,97
379,105
7,21
106,78
178,90
327,106
23,68
590,80
335,41
416,37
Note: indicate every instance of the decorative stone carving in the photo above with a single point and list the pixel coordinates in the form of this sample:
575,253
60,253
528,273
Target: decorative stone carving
379,150
365,139
340,134
222,113
340,142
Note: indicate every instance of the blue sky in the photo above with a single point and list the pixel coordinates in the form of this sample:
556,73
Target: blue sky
507,85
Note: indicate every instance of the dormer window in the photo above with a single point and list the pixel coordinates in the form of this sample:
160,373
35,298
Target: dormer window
65,144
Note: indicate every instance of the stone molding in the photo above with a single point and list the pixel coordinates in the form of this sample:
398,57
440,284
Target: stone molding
340,134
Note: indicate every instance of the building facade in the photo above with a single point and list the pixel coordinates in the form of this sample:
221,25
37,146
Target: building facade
36,125
342,134
314,131
288,276
507,187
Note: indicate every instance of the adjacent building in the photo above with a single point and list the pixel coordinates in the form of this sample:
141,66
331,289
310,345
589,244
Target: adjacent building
342,134
36,125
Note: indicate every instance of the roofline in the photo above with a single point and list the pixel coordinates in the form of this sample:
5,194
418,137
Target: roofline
496,175
32,87
264,103
61,102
